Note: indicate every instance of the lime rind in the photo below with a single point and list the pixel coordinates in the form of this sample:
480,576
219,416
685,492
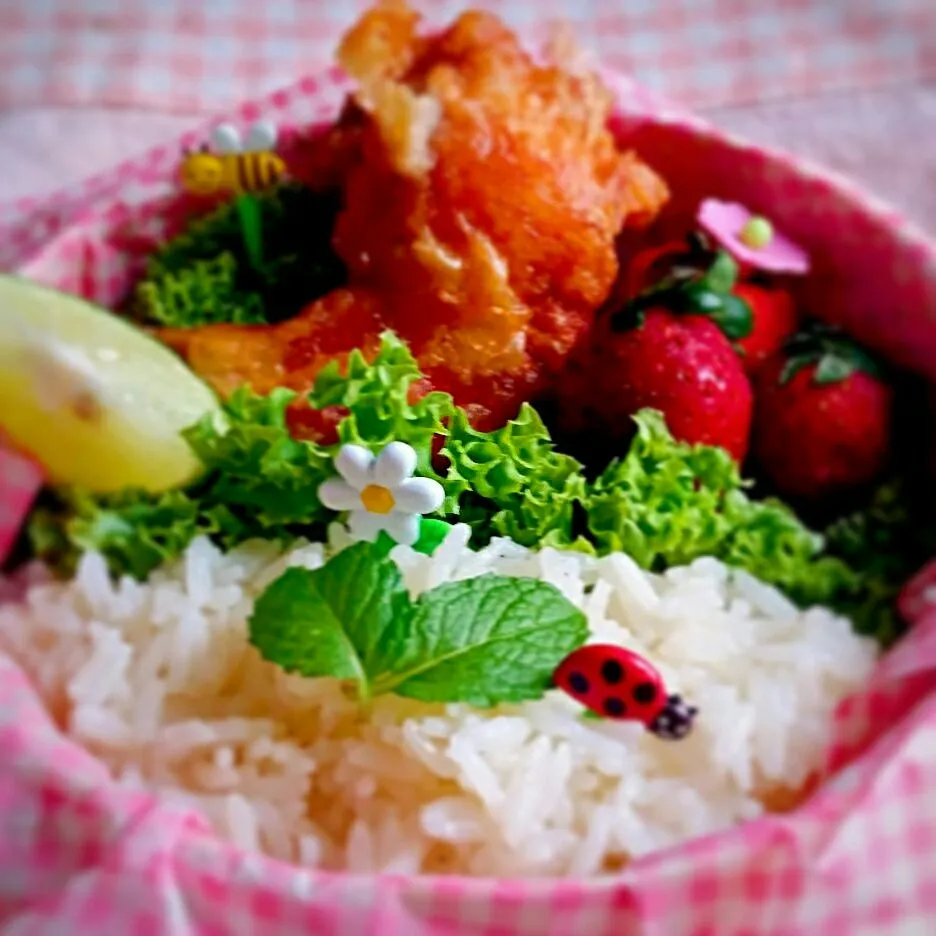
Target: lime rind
97,401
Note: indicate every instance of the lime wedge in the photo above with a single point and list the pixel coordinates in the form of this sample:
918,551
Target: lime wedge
98,402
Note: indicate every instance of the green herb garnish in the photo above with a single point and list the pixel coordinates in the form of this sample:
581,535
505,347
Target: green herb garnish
667,503
885,543
208,274
482,641
515,483
664,503
136,531
377,398
207,293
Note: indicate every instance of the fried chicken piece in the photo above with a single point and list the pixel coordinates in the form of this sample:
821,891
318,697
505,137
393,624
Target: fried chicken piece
483,194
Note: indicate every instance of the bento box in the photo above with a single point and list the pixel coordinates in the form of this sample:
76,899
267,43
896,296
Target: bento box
85,851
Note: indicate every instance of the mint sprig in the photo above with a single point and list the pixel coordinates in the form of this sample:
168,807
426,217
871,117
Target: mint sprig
481,641
336,620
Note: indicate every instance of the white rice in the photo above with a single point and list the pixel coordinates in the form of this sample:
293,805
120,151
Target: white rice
158,680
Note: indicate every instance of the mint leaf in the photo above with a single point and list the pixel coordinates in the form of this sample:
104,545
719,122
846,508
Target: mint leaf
484,641
337,621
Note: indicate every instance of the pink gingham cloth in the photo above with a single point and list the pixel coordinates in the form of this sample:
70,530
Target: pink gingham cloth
82,855
21,479
211,54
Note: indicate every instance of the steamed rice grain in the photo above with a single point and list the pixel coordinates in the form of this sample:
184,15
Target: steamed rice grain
158,681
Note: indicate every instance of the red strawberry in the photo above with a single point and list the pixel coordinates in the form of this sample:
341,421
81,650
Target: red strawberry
823,417
681,365
653,264
774,321
690,270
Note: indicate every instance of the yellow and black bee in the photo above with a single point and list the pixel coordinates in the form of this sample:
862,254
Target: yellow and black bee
239,168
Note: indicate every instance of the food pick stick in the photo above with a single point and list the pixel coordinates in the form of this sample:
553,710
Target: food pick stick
248,210
242,168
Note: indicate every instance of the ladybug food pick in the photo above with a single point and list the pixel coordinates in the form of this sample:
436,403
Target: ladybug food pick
616,683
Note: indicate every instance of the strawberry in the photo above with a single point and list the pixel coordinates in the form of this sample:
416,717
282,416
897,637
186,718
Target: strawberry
691,264
681,365
774,321
823,421
652,264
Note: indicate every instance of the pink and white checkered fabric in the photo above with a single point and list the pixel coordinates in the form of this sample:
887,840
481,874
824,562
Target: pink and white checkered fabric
21,479
209,55
81,855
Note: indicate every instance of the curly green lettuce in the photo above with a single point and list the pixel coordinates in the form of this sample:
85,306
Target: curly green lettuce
665,503
517,484
204,276
885,543
135,531
258,481
377,397
205,293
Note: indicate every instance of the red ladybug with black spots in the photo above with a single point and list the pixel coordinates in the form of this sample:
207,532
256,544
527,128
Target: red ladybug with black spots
614,682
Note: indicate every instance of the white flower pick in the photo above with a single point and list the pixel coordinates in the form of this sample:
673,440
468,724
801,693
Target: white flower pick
380,492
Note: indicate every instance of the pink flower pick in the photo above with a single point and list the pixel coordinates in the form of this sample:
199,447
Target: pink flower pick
750,239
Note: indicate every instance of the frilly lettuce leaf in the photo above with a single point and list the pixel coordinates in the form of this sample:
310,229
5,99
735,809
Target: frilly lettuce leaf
520,486
256,467
204,275
885,543
377,396
134,531
667,503
259,481
664,503
204,293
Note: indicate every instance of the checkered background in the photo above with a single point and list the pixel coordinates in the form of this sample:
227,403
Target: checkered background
205,55
82,855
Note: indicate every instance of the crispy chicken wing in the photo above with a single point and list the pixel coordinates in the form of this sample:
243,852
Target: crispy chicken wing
482,193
